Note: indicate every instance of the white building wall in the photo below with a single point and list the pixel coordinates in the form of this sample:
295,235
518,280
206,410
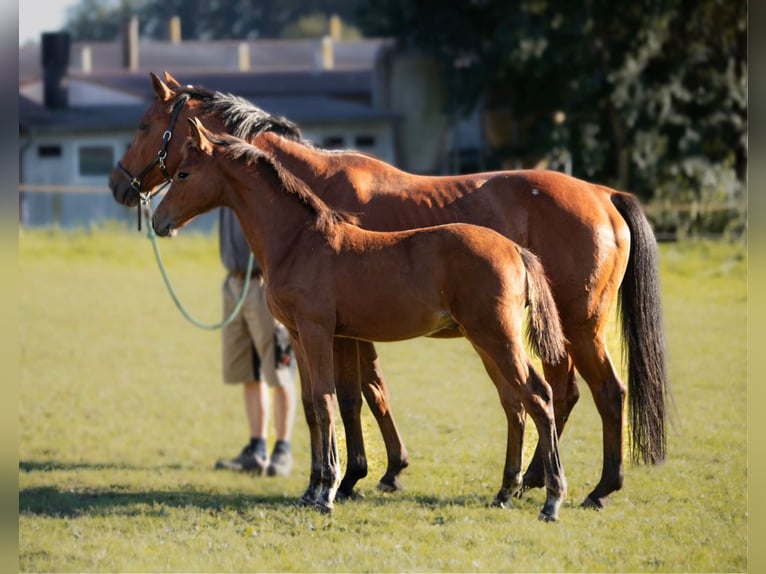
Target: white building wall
69,208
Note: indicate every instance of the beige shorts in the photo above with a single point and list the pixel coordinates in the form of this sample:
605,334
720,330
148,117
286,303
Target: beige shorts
255,344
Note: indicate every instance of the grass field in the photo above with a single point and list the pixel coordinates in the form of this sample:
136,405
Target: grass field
122,414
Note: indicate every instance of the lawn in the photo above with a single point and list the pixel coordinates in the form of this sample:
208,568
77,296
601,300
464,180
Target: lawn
122,414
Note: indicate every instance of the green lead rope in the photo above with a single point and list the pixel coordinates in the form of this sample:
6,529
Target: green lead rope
210,326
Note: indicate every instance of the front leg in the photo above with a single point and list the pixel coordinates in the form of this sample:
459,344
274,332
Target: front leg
311,495
316,341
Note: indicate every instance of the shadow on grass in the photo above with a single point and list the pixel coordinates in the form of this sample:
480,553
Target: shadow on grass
54,501
51,465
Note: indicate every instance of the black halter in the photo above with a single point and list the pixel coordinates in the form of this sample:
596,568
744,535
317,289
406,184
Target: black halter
135,181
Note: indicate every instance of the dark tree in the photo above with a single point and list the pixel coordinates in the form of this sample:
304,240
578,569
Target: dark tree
647,95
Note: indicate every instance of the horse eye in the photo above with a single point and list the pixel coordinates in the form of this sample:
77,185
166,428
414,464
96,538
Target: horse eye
143,127
182,174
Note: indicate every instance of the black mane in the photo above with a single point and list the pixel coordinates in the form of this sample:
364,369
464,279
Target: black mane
243,119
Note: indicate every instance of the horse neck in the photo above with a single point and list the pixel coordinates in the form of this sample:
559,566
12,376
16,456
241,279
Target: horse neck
271,219
303,161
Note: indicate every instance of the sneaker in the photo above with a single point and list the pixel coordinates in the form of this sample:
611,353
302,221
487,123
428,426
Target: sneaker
281,463
247,461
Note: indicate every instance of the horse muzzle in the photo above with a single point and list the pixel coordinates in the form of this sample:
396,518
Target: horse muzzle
163,226
122,191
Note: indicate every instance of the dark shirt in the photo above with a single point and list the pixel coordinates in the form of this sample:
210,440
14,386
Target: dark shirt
233,246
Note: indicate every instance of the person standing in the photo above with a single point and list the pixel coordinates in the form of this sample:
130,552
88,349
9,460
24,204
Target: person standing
257,354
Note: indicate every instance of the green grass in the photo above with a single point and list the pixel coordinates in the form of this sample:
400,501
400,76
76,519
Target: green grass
122,413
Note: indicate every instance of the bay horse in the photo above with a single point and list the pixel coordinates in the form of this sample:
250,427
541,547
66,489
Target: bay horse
326,278
593,242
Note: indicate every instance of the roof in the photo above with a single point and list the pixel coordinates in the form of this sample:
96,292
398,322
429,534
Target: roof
348,84
284,79
90,119
212,56
303,109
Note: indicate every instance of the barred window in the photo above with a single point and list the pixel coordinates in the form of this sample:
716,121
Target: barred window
96,159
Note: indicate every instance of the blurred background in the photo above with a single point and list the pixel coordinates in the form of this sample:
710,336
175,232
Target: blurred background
647,96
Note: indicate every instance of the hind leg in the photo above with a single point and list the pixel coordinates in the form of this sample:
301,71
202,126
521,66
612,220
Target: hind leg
516,418
563,383
346,358
508,365
594,364
537,397
375,393
356,365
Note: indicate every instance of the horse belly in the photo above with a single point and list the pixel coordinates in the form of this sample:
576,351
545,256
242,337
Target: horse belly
384,320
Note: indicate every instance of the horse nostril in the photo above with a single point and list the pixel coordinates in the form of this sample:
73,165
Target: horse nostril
161,228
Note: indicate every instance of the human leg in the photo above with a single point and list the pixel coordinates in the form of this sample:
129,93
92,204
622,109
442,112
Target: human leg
241,364
272,342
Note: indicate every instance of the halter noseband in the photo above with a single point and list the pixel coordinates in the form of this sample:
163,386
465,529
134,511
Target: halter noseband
136,181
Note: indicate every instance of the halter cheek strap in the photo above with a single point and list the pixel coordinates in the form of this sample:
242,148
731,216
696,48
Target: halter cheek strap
136,181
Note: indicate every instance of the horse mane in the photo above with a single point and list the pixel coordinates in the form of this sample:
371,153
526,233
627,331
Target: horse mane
243,119
326,217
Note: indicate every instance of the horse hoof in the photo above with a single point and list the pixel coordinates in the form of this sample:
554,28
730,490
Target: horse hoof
547,518
592,504
497,503
389,487
305,501
353,495
321,507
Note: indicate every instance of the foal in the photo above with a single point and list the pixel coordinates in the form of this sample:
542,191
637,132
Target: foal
326,277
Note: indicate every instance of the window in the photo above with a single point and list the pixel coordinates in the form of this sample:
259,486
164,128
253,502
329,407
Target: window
49,150
364,140
333,142
96,159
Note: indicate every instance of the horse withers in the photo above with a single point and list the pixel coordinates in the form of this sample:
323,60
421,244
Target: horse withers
326,277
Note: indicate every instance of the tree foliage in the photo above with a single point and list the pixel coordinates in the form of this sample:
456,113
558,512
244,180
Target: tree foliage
653,93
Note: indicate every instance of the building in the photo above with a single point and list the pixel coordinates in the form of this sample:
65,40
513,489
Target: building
79,104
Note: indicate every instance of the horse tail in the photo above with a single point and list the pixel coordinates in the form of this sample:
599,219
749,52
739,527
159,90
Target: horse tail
643,335
544,333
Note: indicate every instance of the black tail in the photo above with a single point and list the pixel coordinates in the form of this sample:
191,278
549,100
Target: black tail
643,336
544,333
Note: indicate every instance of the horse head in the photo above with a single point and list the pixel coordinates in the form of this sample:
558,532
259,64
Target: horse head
197,186
154,153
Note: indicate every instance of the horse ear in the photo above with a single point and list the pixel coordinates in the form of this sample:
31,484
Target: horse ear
199,136
171,81
164,93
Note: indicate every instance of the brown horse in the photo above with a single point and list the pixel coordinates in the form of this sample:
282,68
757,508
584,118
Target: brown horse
591,240
327,278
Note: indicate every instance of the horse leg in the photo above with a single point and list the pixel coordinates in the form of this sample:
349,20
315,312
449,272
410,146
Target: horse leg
311,495
594,364
563,383
537,397
350,406
515,374
516,418
376,394
318,397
